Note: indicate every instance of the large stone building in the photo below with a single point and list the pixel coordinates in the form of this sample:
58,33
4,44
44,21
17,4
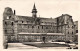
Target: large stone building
59,28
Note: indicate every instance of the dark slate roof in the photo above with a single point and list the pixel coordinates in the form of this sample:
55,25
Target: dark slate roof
30,18
27,18
48,20
60,19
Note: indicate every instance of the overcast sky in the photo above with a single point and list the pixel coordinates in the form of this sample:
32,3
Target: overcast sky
45,8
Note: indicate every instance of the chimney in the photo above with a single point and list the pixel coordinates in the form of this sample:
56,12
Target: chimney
14,12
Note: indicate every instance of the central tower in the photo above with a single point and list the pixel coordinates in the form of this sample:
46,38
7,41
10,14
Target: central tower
34,11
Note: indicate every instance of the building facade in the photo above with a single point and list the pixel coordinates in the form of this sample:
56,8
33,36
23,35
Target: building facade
60,28
76,30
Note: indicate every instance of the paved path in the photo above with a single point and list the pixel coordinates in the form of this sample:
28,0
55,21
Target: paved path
19,46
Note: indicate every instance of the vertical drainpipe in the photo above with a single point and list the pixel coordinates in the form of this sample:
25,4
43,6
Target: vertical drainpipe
57,25
65,30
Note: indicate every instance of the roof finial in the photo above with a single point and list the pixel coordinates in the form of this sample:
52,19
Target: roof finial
34,7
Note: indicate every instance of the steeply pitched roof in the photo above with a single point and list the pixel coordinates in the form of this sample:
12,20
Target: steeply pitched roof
24,18
29,18
48,20
34,7
61,20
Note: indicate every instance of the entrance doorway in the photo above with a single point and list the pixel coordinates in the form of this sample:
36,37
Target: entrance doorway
43,39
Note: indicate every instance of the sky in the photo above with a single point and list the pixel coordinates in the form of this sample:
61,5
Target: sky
45,8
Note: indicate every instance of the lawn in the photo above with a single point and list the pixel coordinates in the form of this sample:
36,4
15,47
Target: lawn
46,44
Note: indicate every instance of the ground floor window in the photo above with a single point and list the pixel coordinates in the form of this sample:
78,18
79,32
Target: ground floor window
76,31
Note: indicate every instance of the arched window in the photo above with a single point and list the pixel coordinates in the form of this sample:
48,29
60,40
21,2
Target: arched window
42,27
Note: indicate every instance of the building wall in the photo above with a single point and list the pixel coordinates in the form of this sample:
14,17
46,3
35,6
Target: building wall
14,24
8,21
76,26
76,31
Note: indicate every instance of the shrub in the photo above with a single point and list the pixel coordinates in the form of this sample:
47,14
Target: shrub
60,41
67,41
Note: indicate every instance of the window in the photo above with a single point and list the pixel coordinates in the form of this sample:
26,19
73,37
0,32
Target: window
72,32
72,27
27,21
76,31
46,27
42,27
5,31
68,32
5,23
38,27
22,21
12,23
9,17
32,26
